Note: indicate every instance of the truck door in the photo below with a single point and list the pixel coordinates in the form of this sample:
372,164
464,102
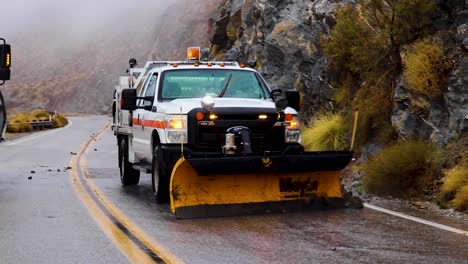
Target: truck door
142,125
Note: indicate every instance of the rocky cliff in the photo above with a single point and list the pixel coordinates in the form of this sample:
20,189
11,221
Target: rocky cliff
282,39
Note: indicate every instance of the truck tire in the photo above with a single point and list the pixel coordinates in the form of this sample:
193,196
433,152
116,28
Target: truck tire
128,175
160,175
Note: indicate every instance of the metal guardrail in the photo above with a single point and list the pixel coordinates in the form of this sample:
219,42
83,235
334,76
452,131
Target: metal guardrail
38,125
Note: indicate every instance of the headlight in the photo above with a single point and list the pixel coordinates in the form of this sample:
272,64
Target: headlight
176,129
293,131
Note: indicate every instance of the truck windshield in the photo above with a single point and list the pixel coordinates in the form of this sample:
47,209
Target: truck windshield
217,83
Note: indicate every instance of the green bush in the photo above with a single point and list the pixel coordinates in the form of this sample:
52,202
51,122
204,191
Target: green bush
401,170
327,131
348,35
375,106
425,68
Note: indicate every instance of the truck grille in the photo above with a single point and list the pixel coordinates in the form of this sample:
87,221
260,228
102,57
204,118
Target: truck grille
264,135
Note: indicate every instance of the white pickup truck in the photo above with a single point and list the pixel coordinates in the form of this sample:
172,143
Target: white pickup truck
196,108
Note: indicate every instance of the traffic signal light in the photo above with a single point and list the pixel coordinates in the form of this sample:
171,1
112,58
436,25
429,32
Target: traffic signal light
5,62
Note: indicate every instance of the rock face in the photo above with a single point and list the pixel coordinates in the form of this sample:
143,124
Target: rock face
281,39
417,116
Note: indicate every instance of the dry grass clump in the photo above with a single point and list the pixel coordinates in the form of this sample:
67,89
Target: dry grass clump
455,188
20,123
40,114
425,68
461,199
455,179
59,121
401,170
327,131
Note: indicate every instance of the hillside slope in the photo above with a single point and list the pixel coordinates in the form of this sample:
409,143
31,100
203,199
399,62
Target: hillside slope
72,67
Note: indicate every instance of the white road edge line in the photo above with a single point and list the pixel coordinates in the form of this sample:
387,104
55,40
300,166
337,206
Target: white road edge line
416,219
34,136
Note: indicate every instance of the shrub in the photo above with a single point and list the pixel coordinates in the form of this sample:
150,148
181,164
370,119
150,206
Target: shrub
327,131
348,35
59,121
21,122
40,114
375,107
455,179
342,96
401,170
425,68
454,190
461,199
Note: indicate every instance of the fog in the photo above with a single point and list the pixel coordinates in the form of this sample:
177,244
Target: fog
42,25
78,17
67,55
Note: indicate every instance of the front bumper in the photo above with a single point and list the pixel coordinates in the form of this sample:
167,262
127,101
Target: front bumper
289,161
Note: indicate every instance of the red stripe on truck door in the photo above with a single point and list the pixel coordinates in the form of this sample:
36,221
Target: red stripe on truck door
149,123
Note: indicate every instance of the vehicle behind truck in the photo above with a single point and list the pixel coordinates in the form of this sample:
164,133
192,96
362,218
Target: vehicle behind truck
217,140
5,64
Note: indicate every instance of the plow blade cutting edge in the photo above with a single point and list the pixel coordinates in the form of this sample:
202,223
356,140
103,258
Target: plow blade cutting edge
225,186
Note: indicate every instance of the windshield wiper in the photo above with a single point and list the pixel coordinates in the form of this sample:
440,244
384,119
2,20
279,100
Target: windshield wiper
225,86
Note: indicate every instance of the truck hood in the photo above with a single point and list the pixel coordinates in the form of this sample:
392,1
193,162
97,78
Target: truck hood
184,106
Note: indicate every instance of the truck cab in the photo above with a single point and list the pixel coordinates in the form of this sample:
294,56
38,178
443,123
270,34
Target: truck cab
195,108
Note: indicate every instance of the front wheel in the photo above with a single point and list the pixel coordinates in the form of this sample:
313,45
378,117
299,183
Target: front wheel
160,177
128,175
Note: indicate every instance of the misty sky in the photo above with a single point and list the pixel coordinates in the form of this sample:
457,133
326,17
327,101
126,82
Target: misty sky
77,16
62,46
44,31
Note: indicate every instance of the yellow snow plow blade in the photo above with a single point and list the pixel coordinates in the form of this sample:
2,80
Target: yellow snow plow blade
236,192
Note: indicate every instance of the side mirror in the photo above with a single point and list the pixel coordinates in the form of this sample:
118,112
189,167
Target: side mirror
280,102
128,99
294,99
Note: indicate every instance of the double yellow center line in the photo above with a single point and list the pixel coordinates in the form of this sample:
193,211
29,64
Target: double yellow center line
132,241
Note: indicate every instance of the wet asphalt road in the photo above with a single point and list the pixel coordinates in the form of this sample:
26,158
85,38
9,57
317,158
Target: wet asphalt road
42,220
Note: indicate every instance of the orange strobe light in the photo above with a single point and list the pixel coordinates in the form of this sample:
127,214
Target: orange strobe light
193,53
